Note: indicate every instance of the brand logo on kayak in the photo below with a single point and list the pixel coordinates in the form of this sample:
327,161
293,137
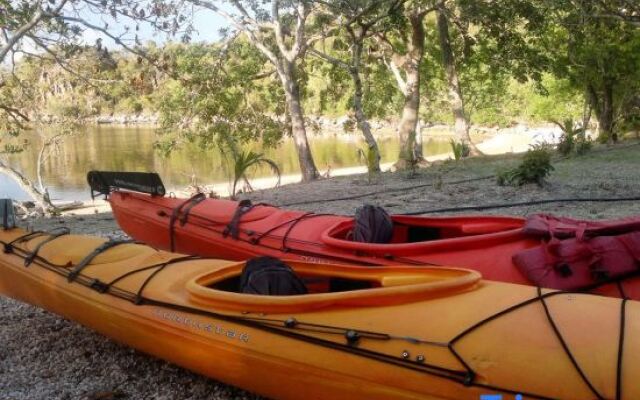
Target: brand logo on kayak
313,260
214,329
497,397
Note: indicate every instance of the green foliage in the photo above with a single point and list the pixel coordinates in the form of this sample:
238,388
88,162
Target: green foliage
535,167
573,138
460,149
599,56
243,162
569,134
583,146
518,61
215,97
566,144
370,158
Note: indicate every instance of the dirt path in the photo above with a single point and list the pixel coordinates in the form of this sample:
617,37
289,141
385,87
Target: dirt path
43,356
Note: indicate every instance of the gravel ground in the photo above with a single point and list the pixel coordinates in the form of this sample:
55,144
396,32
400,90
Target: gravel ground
43,356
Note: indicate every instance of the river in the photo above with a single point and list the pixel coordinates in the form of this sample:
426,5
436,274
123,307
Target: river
131,149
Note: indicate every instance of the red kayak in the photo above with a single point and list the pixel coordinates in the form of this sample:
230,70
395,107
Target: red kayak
488,244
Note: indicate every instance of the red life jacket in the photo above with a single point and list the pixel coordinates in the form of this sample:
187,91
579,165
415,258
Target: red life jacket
577,254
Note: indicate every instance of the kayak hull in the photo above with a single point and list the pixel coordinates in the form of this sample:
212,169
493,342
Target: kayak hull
499,330
145,329
485,244
240,367
147,219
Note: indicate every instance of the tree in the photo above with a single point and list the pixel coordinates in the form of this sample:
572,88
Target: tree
218,97
603,56
456,97
359,20
593,44
47,30
404,49
625,10
280,33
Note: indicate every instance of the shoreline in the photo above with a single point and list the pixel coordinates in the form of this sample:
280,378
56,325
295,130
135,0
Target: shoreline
319,126
505,143
511,140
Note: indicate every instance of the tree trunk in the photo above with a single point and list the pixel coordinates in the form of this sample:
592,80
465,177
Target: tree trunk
417,147
461,126
602,105
606,116
411,66
363,123
39,166
586,113
40,198
292,93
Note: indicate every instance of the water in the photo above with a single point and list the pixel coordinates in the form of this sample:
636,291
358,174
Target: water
131,149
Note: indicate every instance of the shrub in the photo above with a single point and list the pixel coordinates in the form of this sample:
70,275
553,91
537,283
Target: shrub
535,167
573,138
566,144
350,124
243,161
583,146
370,157
460,149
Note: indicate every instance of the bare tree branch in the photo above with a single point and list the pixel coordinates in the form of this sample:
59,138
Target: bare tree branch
278,31
243,26
116,39
37,17
15,114
299,42
328,58
64,65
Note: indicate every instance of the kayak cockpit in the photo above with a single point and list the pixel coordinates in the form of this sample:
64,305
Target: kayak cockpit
422,234
333,286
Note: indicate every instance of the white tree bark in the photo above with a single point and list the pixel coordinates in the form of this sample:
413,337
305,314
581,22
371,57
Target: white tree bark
461,122
40,198
353,67
407,157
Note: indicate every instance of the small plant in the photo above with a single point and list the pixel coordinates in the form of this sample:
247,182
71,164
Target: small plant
243,161
370,157
573,138
583,146
535,167
460,149
349,124
566,144
437,182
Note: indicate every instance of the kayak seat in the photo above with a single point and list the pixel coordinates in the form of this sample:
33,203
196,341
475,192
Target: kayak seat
372,224
270,276
331,286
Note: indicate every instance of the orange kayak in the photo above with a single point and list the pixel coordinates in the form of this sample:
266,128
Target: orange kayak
203,227
406,333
